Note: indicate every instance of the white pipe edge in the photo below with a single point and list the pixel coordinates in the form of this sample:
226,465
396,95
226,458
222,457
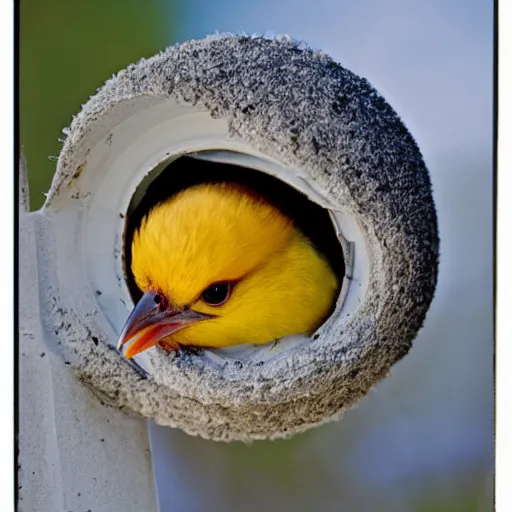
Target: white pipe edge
75,453
98,201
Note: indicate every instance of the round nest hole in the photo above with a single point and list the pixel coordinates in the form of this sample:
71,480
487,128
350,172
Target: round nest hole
185,171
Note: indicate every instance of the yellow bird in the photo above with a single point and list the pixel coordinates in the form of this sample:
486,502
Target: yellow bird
219,266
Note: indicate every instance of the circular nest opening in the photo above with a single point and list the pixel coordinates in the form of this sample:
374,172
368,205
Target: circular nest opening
184,171
355,169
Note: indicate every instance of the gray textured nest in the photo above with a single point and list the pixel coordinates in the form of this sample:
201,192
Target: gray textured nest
303,109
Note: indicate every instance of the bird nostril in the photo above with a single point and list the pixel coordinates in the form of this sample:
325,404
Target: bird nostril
160,302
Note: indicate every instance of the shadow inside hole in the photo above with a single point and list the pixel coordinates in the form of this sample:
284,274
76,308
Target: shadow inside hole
313,220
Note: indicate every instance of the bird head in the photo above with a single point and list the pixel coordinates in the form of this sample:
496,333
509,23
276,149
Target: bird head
218,265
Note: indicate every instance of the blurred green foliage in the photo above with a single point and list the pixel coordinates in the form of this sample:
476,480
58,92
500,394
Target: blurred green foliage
476,499
68,48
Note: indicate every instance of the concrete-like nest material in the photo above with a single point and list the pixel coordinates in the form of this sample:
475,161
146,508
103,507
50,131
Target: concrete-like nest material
303,109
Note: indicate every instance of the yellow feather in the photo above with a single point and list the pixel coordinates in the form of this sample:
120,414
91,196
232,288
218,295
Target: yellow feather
223,232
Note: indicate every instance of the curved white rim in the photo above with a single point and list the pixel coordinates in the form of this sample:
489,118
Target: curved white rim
147,141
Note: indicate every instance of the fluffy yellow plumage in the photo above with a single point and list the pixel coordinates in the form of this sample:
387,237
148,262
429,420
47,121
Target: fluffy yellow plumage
276,283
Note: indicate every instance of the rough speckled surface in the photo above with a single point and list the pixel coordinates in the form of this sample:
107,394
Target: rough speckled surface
303,109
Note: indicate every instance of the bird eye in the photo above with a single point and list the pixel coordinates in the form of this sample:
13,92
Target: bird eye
217,293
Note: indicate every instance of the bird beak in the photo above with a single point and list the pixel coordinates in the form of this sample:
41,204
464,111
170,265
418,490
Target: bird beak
147,324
